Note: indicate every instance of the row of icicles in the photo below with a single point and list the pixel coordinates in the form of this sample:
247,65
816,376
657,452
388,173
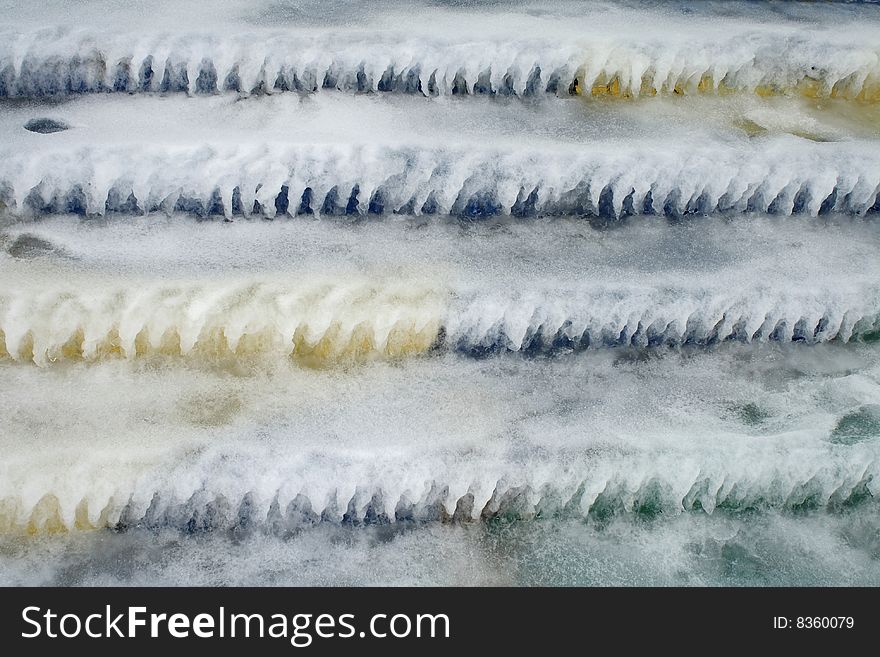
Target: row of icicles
859,198
206,513
338,345
58,77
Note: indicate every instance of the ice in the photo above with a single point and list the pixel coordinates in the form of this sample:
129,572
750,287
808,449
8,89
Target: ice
311,292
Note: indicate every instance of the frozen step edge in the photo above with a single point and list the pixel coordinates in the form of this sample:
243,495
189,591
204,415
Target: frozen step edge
665,316
782,176
313,322
323,325
830,479
57,62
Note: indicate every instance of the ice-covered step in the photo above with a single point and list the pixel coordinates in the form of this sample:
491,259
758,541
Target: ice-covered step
843,482
676,124
319,324
314,292
783,175
528,71
508,50
569,127
198,458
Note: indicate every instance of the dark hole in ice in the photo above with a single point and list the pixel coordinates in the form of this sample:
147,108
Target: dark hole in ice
305,203
45,126
282,201
30,246
858,425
